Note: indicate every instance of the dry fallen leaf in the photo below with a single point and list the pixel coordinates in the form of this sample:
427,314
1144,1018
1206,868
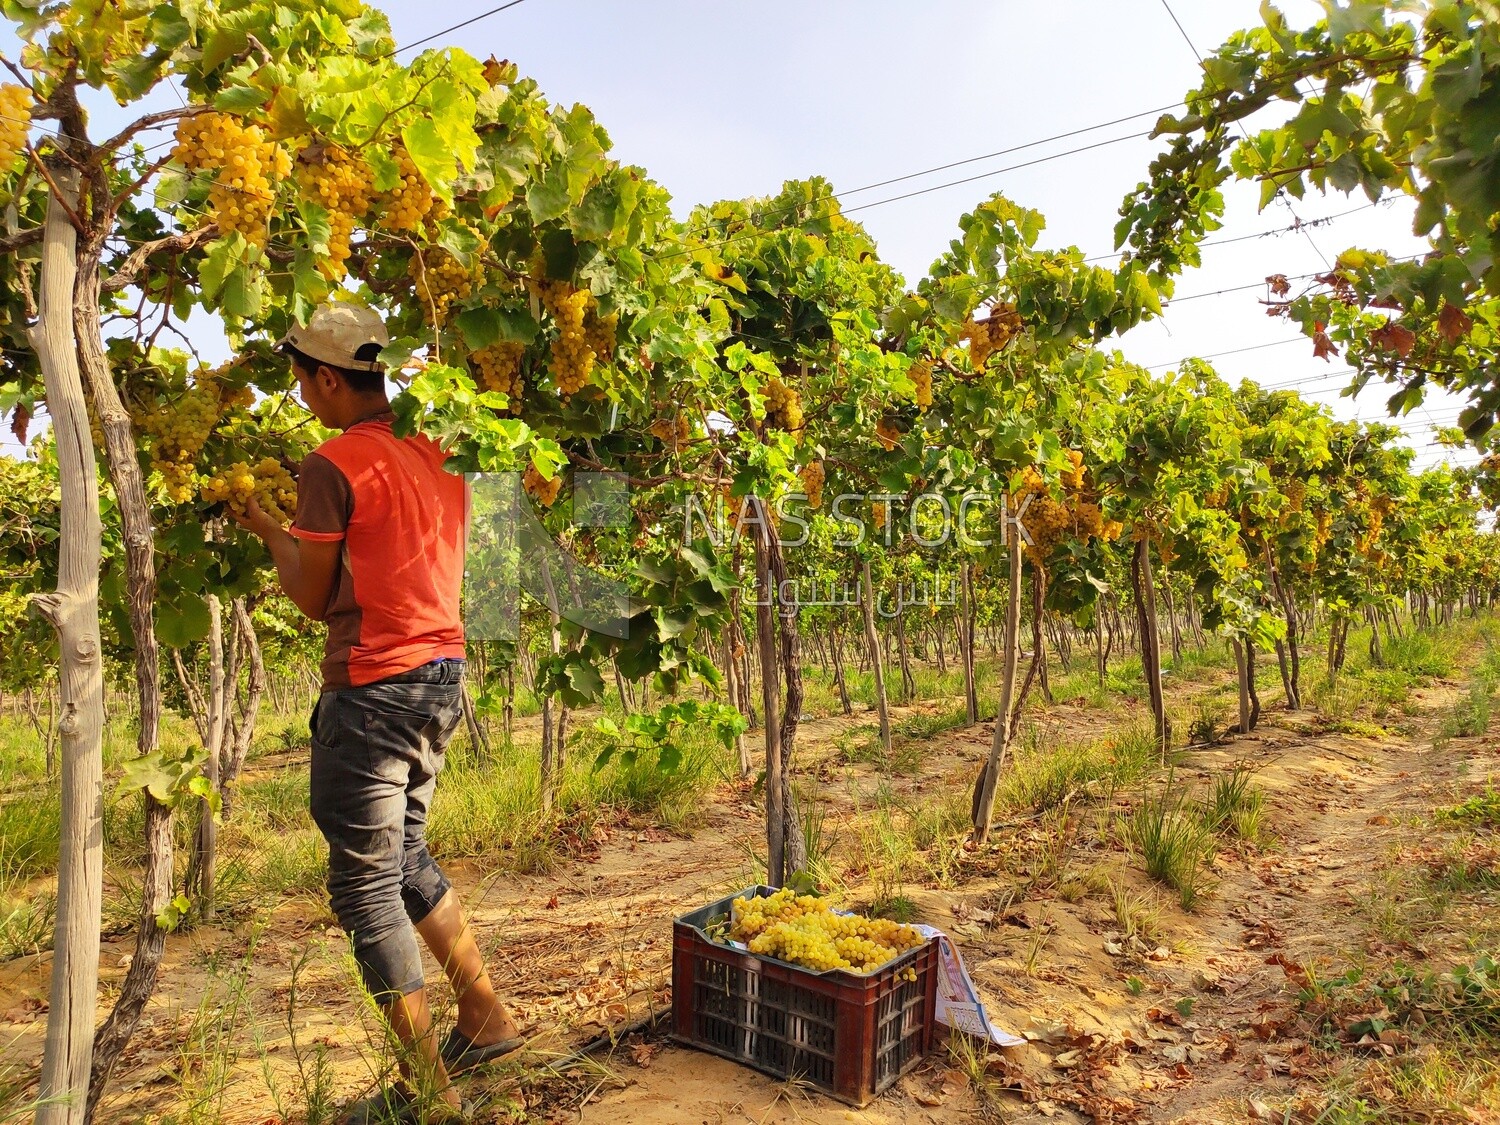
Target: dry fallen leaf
1046,1031
644,1054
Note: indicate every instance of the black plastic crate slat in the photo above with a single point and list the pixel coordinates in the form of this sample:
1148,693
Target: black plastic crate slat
847,1034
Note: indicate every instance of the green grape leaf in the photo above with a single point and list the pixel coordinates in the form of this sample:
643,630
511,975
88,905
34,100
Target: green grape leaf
182,620
432,156
480,327
547,196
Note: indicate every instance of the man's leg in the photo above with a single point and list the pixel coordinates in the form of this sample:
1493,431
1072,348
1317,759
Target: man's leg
411,1020
482,1018
358,801
431,902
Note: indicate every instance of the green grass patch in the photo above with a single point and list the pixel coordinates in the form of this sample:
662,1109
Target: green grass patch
30,828
29,833
1423,653
1206,720
277,801
1203,665
860,745
1470,716
1127,678
1482,808
1044,774
925,724
1235,806
1080,686
1175,845
493,807
1462,1002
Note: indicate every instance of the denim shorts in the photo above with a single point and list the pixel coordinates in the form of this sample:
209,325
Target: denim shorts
376,753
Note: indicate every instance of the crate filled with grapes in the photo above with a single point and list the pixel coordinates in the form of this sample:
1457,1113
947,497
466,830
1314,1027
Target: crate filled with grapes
784,983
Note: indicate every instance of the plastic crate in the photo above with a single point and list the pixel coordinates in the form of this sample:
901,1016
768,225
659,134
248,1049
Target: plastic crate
847,1034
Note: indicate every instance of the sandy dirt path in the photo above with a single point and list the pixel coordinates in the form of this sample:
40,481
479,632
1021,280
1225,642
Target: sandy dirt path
587,947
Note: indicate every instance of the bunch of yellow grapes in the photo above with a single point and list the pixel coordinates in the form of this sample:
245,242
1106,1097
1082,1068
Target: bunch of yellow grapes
15,120
1003,323
599,332
343,185
1048,521
175,435
1072,480
805,930
887,434
500,370
1088,519
978,336
1322,530
921,375
672,431
441,280
408,204
1380,507
734,508
784,408
539,487
267,482
246,167
234,486
241,398
1031,482
1296,493
812,475
573,355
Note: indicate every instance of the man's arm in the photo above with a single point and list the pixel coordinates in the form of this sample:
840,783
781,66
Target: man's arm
305,568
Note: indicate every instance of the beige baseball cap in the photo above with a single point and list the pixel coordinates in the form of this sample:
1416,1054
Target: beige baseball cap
334,334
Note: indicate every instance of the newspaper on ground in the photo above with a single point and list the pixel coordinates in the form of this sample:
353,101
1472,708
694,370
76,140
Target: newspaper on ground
958,1003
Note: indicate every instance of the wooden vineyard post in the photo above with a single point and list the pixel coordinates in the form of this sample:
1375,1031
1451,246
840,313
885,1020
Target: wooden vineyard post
74,612
1150,639
789,649
770,697
1242,680
989,779
551,751
872,642
966,643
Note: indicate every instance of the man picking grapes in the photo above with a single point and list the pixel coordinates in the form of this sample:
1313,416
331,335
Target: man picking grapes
376,552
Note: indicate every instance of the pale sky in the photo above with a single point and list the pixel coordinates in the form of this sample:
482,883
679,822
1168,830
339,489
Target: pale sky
718,101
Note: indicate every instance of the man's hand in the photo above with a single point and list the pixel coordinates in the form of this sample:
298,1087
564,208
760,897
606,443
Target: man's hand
256,521
306,569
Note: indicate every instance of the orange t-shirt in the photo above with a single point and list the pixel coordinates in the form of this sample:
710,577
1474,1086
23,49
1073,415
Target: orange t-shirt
402,519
